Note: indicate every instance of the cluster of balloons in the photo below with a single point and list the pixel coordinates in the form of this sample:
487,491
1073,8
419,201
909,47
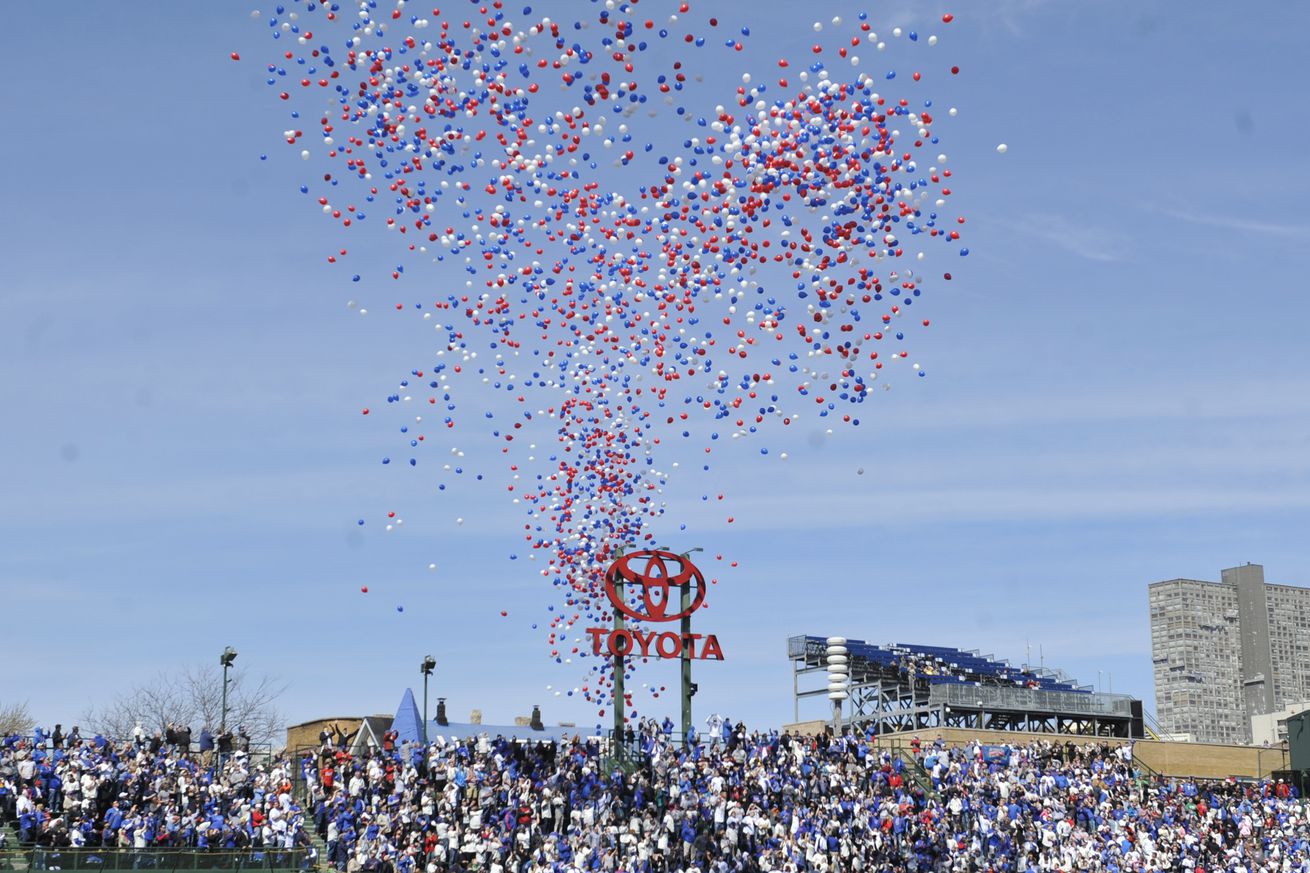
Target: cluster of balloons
644,265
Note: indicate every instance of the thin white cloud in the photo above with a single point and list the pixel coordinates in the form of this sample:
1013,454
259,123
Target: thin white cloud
1012,13
989,504
1083,240
1119,456
1241,225
1274,399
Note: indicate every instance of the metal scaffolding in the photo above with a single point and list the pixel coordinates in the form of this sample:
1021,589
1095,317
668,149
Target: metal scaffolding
889,700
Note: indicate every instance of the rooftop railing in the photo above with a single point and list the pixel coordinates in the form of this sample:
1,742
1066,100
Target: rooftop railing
40,858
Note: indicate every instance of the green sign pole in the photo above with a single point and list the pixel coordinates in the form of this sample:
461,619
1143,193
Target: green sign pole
686,664
619,752
687,691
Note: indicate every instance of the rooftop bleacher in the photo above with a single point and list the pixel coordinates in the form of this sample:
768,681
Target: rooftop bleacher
948,665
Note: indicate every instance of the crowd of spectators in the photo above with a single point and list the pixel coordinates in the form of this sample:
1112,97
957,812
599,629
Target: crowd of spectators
742,802
913,666
149,792
731,801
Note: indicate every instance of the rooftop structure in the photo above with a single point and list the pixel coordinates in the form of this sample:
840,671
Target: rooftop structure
910,686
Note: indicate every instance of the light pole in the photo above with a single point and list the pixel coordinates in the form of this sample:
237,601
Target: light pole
839,680
429,664
229,655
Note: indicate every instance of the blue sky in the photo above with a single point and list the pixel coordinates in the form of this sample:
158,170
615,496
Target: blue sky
1118,390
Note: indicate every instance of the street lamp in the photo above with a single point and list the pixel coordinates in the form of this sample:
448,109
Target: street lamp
229,655
429,664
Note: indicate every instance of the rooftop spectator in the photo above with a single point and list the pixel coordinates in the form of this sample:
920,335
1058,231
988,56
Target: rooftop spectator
144,794
771,802
741,802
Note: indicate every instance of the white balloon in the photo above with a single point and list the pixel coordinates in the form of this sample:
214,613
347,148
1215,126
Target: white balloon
1002,148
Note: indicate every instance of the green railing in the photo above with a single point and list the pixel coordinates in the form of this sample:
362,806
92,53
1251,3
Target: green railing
912,769
918,773
154,859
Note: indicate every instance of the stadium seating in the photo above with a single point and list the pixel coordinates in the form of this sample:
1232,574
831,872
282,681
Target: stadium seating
944,664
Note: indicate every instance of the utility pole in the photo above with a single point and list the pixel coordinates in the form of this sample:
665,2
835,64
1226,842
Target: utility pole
429,664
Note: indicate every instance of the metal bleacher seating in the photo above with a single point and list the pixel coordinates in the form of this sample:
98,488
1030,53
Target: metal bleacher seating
946,665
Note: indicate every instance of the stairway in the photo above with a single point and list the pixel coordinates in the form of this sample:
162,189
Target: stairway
12,857
1152,725
320,844
301,792
916,771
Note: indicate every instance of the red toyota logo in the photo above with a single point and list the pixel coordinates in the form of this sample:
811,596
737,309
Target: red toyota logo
662,576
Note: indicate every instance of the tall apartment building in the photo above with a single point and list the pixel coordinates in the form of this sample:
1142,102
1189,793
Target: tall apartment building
1226,651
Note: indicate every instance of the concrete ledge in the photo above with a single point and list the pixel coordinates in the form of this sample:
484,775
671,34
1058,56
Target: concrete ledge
1201,760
